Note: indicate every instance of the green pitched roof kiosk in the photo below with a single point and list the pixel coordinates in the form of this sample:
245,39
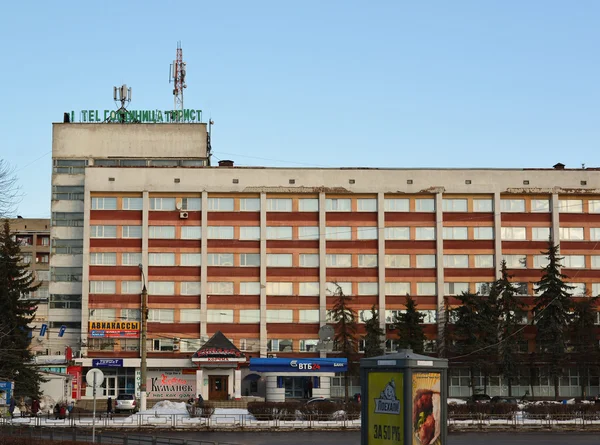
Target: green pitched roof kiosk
404,399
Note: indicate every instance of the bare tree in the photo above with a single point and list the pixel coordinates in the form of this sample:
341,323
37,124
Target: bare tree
9,190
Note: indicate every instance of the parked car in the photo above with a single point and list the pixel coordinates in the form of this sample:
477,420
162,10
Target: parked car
126,402
323,400
506,400
479,398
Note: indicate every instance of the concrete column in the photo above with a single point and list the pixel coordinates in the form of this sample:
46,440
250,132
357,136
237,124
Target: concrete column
200,389
263,275
203,268
85,288
497,233
381,259
554,231
324,389
322,264
145,237
439,260
237,385
274,394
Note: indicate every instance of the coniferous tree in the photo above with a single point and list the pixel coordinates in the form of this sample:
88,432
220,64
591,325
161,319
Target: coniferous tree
409,327
552,314
16,281
586,353
374,335
510,310
344,318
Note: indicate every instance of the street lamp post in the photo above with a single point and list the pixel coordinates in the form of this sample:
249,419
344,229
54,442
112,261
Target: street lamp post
143,335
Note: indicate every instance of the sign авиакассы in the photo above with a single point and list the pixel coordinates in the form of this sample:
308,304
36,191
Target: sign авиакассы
141,116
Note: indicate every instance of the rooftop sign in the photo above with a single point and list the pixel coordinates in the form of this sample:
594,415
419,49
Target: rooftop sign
139,116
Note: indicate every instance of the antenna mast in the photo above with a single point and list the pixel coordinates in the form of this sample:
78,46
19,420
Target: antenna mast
177,76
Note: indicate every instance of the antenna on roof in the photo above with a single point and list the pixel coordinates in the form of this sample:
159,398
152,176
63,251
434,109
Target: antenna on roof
177,76
121,94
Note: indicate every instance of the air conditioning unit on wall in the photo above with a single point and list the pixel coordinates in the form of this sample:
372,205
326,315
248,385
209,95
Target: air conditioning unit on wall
183,215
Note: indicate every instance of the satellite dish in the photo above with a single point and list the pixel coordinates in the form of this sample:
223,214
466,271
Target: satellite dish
326,333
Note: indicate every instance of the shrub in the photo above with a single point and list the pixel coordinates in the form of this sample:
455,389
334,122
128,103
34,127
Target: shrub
486,410
273,410
321,410
206,410
352,410
563,412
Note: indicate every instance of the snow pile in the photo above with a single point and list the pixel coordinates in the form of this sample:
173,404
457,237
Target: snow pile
46,404
167,407
452,401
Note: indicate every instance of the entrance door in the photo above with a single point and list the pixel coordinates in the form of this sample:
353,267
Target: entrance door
111,386
217,387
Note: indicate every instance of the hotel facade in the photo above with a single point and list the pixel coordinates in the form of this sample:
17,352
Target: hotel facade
256,253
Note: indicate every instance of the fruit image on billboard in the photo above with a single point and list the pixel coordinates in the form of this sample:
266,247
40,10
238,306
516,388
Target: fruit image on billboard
386,413
426,408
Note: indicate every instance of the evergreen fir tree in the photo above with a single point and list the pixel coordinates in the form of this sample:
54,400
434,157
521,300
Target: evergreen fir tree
374,335
586,353
510,310
344,319
552,314
410,330
15,281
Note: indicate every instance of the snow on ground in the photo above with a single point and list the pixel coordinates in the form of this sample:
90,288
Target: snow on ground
456,401
167,407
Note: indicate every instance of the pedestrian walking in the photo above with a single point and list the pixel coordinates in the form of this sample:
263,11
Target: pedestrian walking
56,411
310,387
11,406
35,407
109,407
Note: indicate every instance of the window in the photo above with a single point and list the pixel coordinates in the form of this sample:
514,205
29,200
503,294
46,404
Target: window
220,232
161,315
27,258
455,233
220,204
513,233
426,289
69,274
249,344
191,232
579,289
540,233
250,204
483,205
161,288
131,258
132,231
190,259
279,233
43,275
131,287
402,233
219,288
219,315
280,288
483,232
364,316
309,315
190,288
596,292
65,301
220,259
130,314
456,261
250,316
338,205
425,261
425,205
483,288
429,316
103,259
249,288
570,206
454,205
104,203
189,315
455,288
512,205
250,259
540,261
162,344
67,193
571,233
279,345
309,289
191,204
103,231
425,233
309,260
250,233
368,289
338,233
161,232
397,204
484,260
161,259
162,203
308,205
338,260
397,261
279,260
540,205
574,261
103,287
366,204
308,233
103,314
594,206
132,203
366,232
595,262
279,205
190,344
333,288
367,260
65,219
308,345
280,315
595,234
515,261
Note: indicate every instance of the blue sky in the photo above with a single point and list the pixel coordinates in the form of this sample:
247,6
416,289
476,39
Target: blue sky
324,83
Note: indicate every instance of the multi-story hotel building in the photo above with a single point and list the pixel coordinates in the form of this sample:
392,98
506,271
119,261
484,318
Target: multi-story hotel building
254,252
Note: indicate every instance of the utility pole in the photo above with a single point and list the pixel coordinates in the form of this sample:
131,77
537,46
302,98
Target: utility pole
143,346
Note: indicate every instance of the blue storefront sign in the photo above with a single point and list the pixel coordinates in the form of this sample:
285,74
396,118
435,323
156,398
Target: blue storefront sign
107,363
6,390
43,330
300,365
